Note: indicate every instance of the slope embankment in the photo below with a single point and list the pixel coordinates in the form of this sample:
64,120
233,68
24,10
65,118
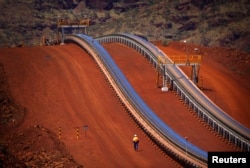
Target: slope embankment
62,87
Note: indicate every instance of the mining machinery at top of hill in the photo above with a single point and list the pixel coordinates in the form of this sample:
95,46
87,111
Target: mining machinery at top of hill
63,24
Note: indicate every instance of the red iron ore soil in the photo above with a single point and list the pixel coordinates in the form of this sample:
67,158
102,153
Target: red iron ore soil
61,87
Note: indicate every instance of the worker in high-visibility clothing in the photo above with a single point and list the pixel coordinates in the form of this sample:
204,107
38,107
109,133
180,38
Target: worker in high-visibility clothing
136,142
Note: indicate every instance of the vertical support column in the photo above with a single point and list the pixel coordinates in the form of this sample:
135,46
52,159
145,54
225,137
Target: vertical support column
164,76
235,141
157,73
171,83
85,127
195,73
62,42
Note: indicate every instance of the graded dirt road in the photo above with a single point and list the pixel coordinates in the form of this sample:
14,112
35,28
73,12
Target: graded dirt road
61,86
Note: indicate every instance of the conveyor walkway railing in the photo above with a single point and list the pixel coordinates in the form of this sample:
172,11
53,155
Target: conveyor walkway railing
209,112
160,132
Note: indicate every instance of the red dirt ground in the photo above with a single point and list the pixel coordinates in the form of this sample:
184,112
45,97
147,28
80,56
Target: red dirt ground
143,78
62,86
225,75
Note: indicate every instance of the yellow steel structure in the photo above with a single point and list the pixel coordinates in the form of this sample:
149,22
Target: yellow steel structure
66,24
160,62
193,60
183,59
82,22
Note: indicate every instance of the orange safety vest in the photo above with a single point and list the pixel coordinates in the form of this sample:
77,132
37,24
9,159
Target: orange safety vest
135,139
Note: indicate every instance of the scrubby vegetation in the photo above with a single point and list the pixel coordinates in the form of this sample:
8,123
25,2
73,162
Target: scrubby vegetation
209,23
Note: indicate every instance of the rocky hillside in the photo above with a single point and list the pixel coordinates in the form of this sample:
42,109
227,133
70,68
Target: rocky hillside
11,114
209,23
36,146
